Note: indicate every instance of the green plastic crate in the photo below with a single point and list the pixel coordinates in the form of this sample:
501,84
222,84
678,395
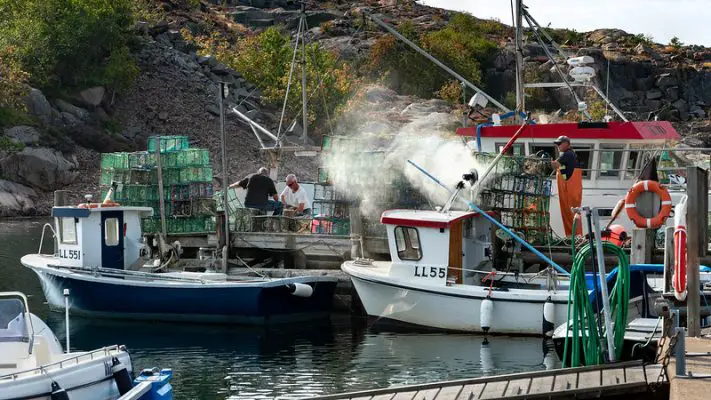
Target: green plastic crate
141,160
167,143
114,161
194,158
323,176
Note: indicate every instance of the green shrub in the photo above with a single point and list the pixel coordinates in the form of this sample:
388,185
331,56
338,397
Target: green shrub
66,43
7,144
13,80
460,45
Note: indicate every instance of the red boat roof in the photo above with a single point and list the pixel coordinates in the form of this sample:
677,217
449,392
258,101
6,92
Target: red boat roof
650,130
424,218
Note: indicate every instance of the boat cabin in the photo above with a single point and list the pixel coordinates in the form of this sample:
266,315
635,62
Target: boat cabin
105,237
435,247
607,151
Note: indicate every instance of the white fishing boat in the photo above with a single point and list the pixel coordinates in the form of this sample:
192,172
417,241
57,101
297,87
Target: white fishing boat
34,366
426,283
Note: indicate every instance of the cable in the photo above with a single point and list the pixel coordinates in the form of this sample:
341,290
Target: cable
583,320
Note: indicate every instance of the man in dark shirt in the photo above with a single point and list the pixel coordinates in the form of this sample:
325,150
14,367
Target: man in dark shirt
570,183
259,188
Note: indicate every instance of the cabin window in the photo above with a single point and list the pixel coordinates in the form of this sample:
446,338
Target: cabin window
111,232
515,150
68,230
610,161
632,167
584,155
543,150
407,241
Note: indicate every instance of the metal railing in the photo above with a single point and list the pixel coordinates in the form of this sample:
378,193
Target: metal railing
75,360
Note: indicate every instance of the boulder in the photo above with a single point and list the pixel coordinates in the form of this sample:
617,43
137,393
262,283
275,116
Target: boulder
666,80
38,105
92,96
23,134
78,112
70,120
16,199
39,167
672,93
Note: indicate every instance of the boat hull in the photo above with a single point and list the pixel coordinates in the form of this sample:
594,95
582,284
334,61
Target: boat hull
89,379
515,312
213,302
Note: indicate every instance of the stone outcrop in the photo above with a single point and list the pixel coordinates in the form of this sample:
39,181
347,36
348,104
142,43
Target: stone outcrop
16,199
39,167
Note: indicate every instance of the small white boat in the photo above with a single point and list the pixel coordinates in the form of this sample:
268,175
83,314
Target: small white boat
33,365
426,284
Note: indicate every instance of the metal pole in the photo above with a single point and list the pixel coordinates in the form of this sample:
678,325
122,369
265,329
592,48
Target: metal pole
225,181
66,316
680,348
304,97
437,62
603,286
520,88
160,189
695,184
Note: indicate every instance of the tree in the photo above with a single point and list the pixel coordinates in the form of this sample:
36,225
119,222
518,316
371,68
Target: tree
676,43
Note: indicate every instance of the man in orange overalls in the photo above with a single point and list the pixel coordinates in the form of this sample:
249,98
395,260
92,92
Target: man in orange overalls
570,184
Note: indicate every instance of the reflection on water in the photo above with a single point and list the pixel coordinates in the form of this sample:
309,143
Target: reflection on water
292,361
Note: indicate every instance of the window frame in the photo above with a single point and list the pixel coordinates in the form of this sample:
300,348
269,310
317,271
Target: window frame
617,149
62,221
116,231
407,239
587,172
520,146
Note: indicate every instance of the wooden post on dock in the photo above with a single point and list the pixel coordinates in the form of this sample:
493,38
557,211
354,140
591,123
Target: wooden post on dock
697,242
357,233
642,238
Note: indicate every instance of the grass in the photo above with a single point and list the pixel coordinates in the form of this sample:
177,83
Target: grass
11,117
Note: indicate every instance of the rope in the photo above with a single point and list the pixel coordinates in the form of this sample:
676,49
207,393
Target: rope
581,317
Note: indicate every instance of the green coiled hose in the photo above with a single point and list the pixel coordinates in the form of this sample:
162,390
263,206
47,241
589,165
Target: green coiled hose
581,316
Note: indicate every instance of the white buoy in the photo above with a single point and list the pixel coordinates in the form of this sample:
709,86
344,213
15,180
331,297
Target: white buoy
548,318
582,60
300,289
486,313
485,358
582,74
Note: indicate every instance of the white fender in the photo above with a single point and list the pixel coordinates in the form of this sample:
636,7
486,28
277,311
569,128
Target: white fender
300,289
679,277
486,313
548,318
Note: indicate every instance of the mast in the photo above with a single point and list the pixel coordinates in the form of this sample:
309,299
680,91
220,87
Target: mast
520,87
302,29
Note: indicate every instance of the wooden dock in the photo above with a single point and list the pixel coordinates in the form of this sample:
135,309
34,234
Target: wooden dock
693,386
585,382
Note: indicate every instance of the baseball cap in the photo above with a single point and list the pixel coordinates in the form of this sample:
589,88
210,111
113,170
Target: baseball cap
562,139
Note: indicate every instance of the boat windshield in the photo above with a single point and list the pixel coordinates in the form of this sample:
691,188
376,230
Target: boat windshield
12,321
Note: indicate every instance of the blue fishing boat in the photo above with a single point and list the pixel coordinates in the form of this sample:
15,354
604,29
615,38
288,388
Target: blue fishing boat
102,259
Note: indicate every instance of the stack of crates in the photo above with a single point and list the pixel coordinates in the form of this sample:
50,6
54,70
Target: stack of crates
519,191
330,210
187,184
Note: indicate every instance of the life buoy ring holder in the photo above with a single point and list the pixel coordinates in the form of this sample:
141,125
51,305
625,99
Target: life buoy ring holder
105,203
631,204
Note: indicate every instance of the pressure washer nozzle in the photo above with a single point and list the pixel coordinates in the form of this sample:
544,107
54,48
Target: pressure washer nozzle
471,177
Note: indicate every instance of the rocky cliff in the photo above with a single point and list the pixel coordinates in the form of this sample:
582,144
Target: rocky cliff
176,92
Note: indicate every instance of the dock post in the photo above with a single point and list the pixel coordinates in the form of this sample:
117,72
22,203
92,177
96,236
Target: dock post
680,348
357,235
668,258
60,199
697,241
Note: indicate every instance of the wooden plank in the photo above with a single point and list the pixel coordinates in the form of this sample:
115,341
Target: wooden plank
635,374
455,251
565,382
612,377
471,392
449,392
428,394
494,390
518,387
405,395
589,379
540,385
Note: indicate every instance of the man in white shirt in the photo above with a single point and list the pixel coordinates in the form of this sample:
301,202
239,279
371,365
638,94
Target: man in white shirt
294,197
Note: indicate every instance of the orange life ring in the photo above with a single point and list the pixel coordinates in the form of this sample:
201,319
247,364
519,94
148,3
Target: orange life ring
106,203
631,204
